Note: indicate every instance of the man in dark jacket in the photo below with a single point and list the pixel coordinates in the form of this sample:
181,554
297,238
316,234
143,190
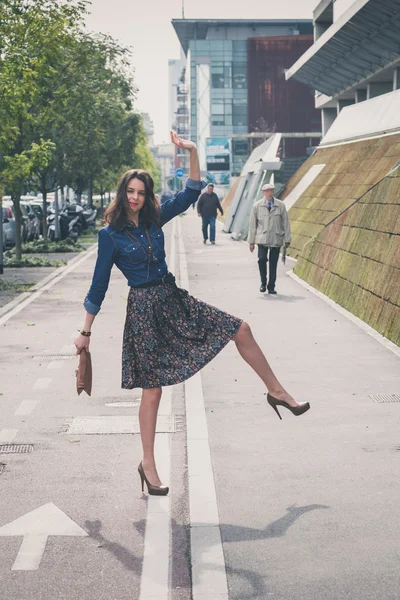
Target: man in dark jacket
207,206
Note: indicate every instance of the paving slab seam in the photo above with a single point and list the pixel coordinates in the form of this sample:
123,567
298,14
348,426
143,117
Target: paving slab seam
207,557
24,299
361,324
154,582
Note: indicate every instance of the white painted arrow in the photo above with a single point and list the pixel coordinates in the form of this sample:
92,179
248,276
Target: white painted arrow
36,526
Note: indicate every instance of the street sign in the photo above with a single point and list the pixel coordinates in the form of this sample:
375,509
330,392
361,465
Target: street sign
172,171
35,527
180,173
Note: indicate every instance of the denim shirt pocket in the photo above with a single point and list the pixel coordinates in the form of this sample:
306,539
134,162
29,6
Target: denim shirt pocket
134,253
157,240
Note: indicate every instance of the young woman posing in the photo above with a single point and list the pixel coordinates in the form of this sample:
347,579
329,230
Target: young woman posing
169,335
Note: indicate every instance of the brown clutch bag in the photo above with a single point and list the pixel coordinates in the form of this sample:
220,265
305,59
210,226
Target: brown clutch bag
84,373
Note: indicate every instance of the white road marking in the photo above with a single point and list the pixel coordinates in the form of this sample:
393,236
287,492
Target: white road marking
42,383
113,424
26,407
155,571
36,526
207,556
134,404
156,562
55,278
55,364
7,435
372,332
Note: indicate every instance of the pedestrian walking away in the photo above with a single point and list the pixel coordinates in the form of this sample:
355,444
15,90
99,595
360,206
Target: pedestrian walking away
269,228
207,207
168,335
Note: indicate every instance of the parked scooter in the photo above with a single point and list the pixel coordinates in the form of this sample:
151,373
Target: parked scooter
90,215
71,222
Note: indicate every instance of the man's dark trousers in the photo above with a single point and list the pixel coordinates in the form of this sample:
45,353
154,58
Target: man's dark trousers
209,221
273,263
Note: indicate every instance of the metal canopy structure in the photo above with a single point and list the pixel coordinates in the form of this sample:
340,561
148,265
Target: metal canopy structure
196,29
363,41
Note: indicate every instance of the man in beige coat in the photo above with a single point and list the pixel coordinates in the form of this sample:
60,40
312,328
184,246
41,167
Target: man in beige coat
269,228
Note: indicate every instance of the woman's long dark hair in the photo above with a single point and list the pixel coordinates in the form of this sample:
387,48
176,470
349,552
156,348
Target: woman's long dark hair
117,214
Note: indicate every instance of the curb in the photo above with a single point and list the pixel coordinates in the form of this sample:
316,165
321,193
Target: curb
38,286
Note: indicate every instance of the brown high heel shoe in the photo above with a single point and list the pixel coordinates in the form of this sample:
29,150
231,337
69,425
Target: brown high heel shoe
296,410
153,490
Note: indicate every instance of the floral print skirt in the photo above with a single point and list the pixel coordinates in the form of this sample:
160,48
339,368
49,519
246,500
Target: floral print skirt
170,335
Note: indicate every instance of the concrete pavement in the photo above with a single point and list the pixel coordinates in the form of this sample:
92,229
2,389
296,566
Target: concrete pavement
307,506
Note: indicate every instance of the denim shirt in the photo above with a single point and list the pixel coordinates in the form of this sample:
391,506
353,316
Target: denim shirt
126,251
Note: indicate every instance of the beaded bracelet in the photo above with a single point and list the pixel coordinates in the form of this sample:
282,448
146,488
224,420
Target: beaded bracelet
85,333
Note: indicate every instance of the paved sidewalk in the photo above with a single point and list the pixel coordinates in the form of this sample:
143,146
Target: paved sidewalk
308,506
30,275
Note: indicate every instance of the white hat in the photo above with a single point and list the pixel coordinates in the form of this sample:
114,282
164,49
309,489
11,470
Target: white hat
268,186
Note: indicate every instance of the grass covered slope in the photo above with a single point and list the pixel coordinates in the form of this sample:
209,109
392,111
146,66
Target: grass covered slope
355,260
350,171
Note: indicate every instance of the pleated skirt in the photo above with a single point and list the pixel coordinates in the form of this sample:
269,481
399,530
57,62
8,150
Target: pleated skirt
169,336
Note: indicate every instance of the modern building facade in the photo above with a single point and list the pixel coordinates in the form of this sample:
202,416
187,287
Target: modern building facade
344,201
217,76
355,56
275,104
175,68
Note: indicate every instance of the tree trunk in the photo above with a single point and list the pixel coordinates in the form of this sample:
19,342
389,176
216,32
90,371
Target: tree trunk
102,206
90,192
18,225
44,207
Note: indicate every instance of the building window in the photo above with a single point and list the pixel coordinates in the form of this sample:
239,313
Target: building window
239,76
221,75
221,112
240,147
239,112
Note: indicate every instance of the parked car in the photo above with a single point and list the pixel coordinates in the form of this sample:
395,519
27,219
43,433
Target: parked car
8,224
33,222
37,208
26,223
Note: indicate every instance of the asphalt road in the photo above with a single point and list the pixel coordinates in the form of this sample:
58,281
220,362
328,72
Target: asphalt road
307,506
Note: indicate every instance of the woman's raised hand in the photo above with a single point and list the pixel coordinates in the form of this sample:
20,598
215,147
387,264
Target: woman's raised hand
81,342
181,143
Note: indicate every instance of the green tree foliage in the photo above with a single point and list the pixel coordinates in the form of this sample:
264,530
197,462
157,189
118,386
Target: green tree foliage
66,103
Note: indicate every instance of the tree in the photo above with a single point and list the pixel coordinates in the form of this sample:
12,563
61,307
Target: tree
33,36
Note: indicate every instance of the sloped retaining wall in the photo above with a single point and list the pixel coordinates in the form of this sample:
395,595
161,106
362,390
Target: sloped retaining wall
349,172
355,260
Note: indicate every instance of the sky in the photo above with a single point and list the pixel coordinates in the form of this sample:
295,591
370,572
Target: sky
145,26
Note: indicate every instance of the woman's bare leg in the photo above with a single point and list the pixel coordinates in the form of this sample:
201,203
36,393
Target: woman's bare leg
251,352
147,420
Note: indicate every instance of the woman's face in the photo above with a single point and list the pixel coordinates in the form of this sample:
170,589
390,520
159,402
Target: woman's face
135,193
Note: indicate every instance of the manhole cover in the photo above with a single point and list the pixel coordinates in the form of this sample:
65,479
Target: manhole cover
15,448
115,424
55,357
385,397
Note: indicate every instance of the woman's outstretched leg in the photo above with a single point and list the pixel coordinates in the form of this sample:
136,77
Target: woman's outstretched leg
251,352
147,420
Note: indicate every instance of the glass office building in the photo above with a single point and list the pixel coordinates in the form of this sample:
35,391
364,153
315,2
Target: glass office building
217,77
